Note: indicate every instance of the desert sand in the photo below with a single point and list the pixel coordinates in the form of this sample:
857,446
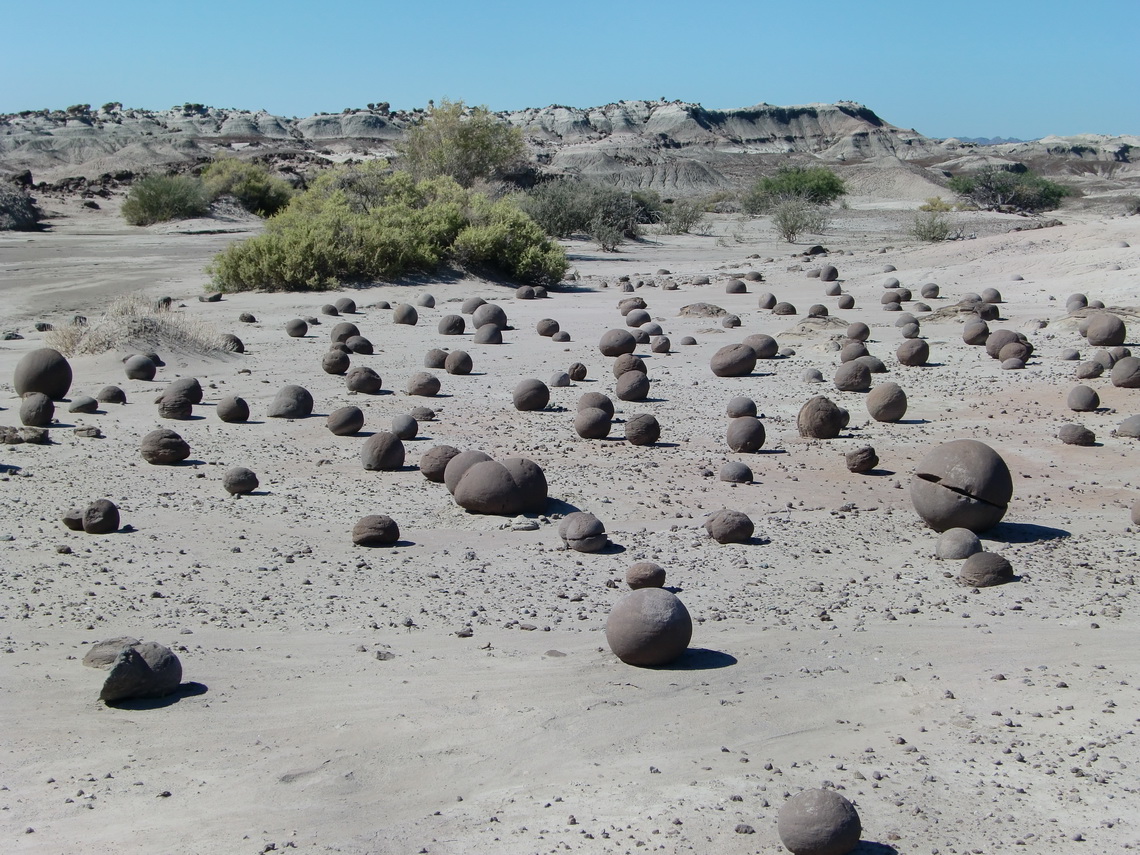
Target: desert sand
454,693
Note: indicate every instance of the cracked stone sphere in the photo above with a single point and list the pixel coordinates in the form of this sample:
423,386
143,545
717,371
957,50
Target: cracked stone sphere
583,532
728,526
957,544
232,409
985,569
642,429
649,627
577,372
434,461
961,484
237,481
44,370
818,822
645,574
375,530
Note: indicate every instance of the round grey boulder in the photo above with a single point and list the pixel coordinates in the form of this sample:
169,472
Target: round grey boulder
728,526
296,328
745,434
238,481
111,395
616,342
291,402
1073,434
405,315
458,362
642,429
961,484
36,410
101,517
913,352
1082,399
821,418
577,372
163,448
345,305
375,530
44,370
818,822
345,421
887,402
1106,330
852,377
434,462
83,404
424,385
733,360
598,400
632,386
735,472
382,452
645,574
858,331
740,406
335,362
457,466
984,570
139,367
649,627
764,346
546,327
489,313
1130,427
451,325
1126,373
957,544
530,395
405,426
488,334
592,423
343,332
583,532
232,409
862,459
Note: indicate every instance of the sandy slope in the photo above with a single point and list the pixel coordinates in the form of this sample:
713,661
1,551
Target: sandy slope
833,649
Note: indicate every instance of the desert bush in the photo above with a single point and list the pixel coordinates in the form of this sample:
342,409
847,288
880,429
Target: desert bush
936,203
1010,189
134,323
680,218
158,198
721,202
251,184
366,222
565,207
18,210
793,217
817,185
461,143
930,226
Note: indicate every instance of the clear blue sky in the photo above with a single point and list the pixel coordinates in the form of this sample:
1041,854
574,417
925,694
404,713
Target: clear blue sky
996,68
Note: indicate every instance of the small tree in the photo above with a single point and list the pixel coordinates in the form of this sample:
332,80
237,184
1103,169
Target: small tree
465,144
251,184
995,188
794,216
158,198
932,226
817,185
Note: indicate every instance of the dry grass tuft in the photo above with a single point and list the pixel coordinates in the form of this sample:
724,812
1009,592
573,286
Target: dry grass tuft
134,323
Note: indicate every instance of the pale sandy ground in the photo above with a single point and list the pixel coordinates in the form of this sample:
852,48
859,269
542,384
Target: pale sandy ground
834,649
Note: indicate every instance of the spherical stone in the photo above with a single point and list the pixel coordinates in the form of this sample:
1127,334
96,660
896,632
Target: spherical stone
820,418
434,461
36,410
997,340
238,481
423,384
913,352
1082,399
929,291
577,372
687,341
735,472
735,286
891,282
852,377
617,342
873,363
649,627
345,305
645,574
375,530
740,406
632,386
921,307
363,379
458,465
991,295
359,344
163,448
813,273
291,402
956,544
845,301
458,362
1069,354
892,307
187,387
852,351
1105,358
745,434
1072,434
559,379
858,331
73,519
524,292
488,334
733,360
784,308
175,406
247,318
1076,301
489,313
296,328
232,343
232,409
628,362
111,395
101,517
147,670
345,421
583,532
44,370
1089,370
887,402
546,327
828,273
560,336
961,484
1012,364
660,344
628,304
1015,350
329,309
531,395
753,276
985,569
890,297
597,400
833,289
818,822
817,310
652,329
813,375
764,346
637,317
727,526
427,301
905,318
767,301
514,486
451,325
642,429
335,362
471,304
405,314
83,404
909,330
382,452
1130,427
435,358
592,423
138,367
862,459
381,304
1118,353
1126,373
343,332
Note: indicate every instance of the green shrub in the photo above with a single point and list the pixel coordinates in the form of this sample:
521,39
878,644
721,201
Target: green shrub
606,215
930,226
680,218
815,184
792,217
936,203
466,145
997,189
158,198
251,184
365,222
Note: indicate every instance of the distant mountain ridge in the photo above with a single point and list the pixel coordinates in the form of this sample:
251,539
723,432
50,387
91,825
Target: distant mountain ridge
991,140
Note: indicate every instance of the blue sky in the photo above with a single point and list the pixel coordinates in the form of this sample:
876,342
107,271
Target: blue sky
998,68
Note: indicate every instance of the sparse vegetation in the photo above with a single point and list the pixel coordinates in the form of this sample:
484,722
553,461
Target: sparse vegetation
251,184
936,204
816,185
1003,189
796,216
678,218
132,322
931,225
158,198
366,222
606,215
460,143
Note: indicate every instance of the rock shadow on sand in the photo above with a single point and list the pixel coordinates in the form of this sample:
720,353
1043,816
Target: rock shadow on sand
186,690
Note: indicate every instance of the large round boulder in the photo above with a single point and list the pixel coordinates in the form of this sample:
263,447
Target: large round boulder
375,530
143,670
740,406
821,418
291,402
985,569
139,367
406,315
1082,399
764,346
434,462
1126,373
745,434
616,342
451,325
36,410
592,423
728,526
101,517
733,360
530,395
489,313
44,370
512,486
458,362
423,384
583,532
488,334
913,352
632,386
852,377
382,452
335,362
163,448
232,409
645,574
887,402
961,484
957,544
345,421
1106,330
818,822
649,627
239,481
642,429
457,466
